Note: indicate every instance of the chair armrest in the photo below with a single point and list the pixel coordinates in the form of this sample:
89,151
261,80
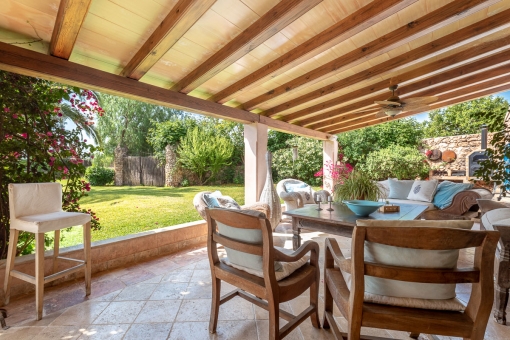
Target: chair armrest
340,260
324,194
258,206
299,253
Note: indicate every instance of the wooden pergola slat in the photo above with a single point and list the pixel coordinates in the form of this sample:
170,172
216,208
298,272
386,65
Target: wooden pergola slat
27,62
268,25
428,23
178,21
358,21
402,79
70,17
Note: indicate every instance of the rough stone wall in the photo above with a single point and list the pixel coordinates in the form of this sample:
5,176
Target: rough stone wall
462,145
172,177
118,164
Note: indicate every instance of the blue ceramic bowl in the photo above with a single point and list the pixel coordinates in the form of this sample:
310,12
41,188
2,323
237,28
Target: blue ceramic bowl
363,208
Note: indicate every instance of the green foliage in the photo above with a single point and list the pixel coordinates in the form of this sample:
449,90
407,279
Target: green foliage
356,145
99,159
276,140
99,175
466,118
357,186
205,152
308,163
168,133
396,161
36,147
126,122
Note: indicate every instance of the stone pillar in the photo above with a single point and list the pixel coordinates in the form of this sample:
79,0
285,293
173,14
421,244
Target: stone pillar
329,157
118,164
173,177
255,147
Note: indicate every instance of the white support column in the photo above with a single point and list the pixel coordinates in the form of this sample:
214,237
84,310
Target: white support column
329,157
255,147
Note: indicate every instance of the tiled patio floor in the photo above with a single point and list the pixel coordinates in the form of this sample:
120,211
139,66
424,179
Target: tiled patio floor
169,298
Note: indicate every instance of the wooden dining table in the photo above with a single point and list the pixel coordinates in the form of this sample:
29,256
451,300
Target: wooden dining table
341,220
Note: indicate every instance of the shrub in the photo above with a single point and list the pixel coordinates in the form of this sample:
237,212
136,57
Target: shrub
304,168
357,186
396,161
98,175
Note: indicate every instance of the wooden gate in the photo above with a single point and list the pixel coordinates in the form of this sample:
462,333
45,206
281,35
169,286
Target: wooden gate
143,171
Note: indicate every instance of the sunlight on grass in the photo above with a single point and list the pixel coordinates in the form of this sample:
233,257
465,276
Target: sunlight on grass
128,210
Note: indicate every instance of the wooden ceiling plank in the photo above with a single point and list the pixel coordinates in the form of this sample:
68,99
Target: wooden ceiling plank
445,99
441,17
178,21
463,56
27,62
281,15
473,96
490,64
357,22
70,17
456,85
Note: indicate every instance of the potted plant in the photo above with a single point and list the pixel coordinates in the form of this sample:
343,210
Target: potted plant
357,186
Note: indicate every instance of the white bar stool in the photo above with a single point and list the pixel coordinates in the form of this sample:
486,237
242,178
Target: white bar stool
37,208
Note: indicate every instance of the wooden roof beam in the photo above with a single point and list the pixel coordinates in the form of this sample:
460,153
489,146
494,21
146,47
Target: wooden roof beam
31,63
178,21
70,16
456,97
281,15
478,51
439,18
489,65
351,25
459,84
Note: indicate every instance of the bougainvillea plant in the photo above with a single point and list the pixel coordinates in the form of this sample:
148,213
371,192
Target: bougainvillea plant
337,172
35,145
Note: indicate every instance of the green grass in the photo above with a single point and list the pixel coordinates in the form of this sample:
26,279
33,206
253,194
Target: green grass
128,210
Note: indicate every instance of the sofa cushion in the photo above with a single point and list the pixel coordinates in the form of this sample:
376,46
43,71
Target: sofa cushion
228,202
414,258
399,189
423,190
211,199
302,189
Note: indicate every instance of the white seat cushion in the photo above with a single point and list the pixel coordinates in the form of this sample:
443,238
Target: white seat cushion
49,222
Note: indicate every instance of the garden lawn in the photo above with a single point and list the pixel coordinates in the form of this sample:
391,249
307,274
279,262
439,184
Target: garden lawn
129,210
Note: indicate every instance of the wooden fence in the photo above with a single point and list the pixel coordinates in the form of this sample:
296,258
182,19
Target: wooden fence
142,171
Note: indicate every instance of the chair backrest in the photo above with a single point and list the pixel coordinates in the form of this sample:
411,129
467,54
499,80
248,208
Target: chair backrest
27,199
428,238
246,236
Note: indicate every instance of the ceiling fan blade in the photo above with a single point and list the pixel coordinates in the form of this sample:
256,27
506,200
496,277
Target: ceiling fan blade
381,114
420,100
367,110
387,102
420,108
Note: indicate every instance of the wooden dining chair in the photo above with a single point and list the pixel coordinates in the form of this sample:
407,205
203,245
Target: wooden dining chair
247,236
352,303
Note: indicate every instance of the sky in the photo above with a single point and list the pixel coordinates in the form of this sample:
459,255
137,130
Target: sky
424,116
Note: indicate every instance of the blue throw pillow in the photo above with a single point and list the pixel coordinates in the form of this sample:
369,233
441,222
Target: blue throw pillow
211,200
295,187
399,189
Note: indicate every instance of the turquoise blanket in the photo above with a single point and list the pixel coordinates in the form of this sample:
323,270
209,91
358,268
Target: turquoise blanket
446,191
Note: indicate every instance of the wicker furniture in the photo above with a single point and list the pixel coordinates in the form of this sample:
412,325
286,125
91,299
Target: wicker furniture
469,324
294,200
254,288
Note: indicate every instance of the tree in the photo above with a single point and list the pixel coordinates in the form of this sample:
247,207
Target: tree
276,140
356,145
126,122
204,151
168,133
36,147
466,118
77,111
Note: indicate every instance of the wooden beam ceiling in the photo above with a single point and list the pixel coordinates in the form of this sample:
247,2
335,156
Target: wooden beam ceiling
346,28
478,90
478,51
281,15
428,23
27,62
178,21
465,35
70,17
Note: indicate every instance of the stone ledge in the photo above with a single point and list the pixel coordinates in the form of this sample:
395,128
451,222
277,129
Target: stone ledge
112,253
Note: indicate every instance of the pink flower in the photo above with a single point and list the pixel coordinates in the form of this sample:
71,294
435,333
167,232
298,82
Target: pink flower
66,171
24,135
6,109
59,114
15,116
49,133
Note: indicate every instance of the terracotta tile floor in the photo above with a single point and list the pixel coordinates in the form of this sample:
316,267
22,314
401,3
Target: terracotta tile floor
169,298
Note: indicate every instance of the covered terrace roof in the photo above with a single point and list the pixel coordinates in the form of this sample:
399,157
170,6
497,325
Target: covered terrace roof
302,66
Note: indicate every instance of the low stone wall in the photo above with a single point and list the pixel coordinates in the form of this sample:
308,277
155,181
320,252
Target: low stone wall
112,253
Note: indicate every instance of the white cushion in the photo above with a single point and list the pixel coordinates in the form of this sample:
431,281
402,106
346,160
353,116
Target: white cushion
27,199
414,258
499,216
43,223
399,189
423,190
287,268
384,188
430,206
